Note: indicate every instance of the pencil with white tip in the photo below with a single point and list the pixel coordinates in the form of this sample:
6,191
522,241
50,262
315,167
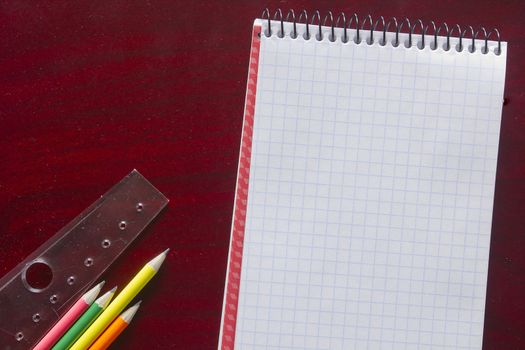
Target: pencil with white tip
69,318
121,301
113,331
84,321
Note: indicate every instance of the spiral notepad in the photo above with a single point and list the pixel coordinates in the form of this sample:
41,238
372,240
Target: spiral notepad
365,188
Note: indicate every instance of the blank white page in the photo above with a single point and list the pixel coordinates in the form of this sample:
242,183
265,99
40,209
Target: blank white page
370,195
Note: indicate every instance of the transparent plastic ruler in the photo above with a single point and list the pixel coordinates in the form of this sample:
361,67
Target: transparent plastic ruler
35,293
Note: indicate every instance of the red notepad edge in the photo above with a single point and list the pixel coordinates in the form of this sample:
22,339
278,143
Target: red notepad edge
233,272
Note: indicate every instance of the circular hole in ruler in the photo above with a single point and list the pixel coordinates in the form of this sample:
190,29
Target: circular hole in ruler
36,318
37,276
88,262
53,299
71,280
106,243
19,336
122,225
139,207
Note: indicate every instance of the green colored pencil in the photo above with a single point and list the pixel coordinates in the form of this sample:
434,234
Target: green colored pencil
84,321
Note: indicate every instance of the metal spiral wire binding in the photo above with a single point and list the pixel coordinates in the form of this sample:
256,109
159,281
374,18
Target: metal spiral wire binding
341,22
343,17
332,29
292,14
307,34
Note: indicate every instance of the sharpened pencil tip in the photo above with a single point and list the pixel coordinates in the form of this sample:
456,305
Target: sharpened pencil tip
92,294
104,300
157,261
128,315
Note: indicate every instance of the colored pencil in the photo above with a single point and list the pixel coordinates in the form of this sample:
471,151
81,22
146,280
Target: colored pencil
84,321
113,331
121,301
69,318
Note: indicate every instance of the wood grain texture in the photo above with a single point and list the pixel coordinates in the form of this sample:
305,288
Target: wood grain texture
90,90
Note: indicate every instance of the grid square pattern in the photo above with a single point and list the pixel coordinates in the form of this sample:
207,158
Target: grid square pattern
370,197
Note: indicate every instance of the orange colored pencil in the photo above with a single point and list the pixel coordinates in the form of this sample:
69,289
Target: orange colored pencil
113,331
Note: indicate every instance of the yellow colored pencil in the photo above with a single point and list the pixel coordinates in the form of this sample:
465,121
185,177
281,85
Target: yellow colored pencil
120,302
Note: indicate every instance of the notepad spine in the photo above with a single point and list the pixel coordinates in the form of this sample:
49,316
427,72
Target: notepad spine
379,25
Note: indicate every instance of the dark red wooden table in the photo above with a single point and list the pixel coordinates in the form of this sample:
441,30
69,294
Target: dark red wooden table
90,90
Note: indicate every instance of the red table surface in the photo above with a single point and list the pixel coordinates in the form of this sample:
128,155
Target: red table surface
90,90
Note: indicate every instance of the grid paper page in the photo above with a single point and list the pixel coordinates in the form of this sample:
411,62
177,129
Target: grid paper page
370,197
